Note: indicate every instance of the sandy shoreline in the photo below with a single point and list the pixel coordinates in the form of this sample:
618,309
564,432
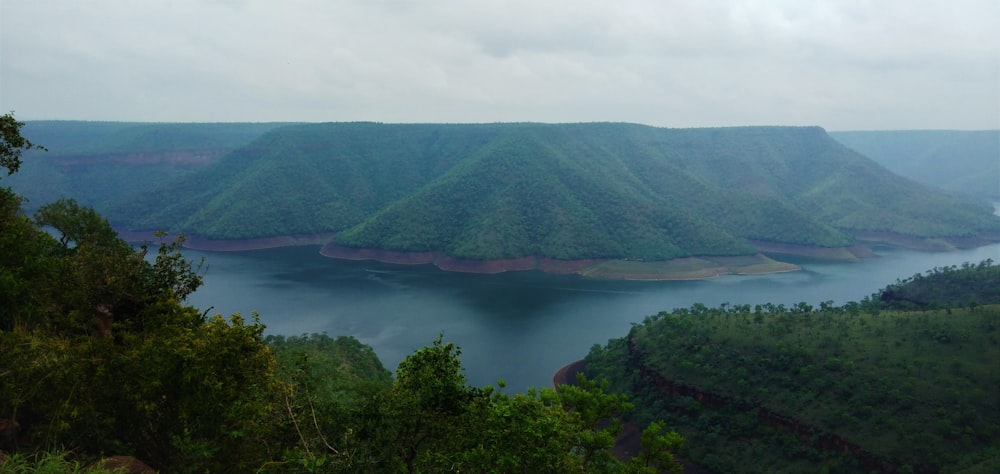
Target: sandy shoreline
448,263
685,268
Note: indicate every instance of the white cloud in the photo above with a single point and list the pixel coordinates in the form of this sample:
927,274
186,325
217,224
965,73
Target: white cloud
839,64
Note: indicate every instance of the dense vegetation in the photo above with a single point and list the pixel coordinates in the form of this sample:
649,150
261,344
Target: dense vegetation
101,356
566,191
946,287
297,181
487,191
848,388
963,162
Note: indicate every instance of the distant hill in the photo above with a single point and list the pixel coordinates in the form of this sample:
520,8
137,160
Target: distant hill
966,162
99,162
496,191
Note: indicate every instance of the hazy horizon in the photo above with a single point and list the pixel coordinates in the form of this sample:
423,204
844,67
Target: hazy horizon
841,65
475,123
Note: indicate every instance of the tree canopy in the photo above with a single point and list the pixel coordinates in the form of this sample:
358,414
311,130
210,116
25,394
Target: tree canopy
900,380
12,143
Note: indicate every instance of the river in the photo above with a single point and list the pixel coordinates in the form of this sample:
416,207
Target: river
518,326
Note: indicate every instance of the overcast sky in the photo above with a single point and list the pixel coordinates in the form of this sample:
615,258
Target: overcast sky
843,65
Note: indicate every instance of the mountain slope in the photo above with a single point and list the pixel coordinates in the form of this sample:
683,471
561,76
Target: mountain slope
568,191
301,179
655,194
521,196
965,162
99,162
829,182
861,387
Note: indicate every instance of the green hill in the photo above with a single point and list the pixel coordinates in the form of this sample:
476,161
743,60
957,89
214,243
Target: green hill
946,287
99,162
494,191
302,179
566,191
538,191
855,388
964,162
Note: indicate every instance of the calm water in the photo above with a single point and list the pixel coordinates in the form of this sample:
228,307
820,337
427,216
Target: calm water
520,327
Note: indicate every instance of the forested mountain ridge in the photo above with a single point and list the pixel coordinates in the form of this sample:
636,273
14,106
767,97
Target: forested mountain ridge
99,162
964,162
946,287
862,387
500,191
602,190
297,181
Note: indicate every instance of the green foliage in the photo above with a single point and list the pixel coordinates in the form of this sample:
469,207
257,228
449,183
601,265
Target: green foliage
524,432
430,420
186,397
89,279
909,387
28,263
658,449
49,462
571,429
946,287
344,369
12,144
78,225
588,401
327,383
100,355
